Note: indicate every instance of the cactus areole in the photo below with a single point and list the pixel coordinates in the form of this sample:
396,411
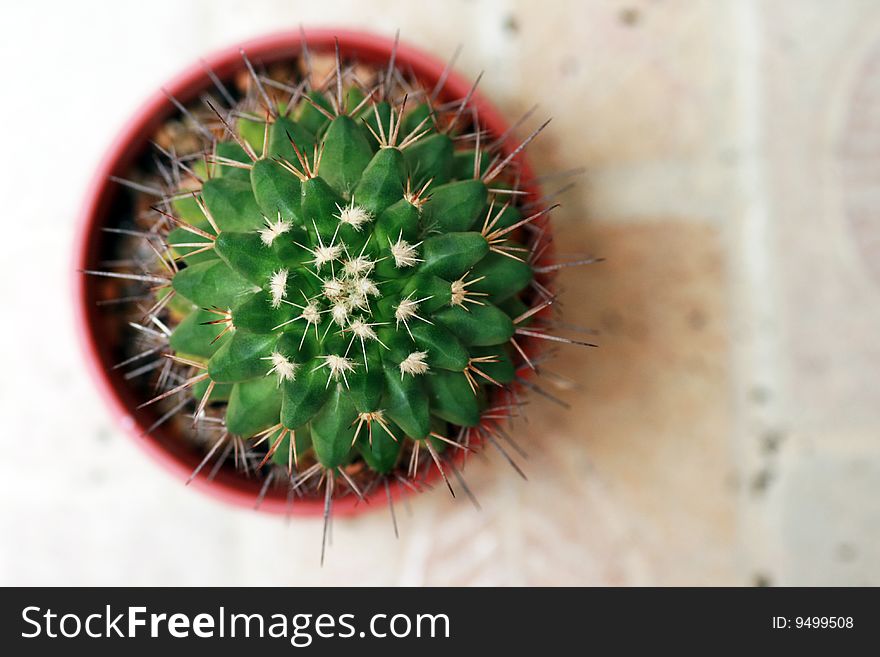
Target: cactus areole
347,280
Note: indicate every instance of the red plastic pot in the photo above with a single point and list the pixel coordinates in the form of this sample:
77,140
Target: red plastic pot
165,446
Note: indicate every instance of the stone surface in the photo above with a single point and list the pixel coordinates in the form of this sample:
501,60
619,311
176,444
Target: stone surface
726,430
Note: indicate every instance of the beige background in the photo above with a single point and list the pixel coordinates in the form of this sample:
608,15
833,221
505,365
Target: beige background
725,433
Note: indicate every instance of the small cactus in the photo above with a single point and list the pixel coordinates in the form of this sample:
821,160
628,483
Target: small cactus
349,276
352,286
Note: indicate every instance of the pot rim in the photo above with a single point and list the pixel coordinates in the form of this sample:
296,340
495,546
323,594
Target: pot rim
130,141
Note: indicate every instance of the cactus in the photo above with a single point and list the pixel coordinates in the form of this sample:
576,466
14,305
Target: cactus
358,282
348,277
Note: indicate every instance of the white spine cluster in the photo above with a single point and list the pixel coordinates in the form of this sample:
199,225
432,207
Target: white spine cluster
414,364
404,253
273,231
353,215
406,310
338,366
362,330
358,266
334,289
460,294
363,288
340,312
311,313
283,367
325,254
278,287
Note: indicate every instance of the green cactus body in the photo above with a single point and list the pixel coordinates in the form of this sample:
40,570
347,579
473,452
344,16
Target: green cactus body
344,300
